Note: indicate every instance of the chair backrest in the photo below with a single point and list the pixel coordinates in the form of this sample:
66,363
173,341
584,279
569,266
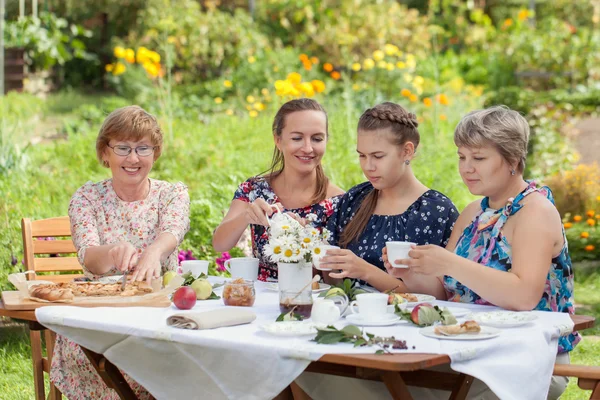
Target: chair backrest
55,228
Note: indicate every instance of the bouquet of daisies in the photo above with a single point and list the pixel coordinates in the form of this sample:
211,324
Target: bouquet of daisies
291,242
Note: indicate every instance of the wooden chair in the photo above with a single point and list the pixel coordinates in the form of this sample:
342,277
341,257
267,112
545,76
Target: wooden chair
588,377
51,267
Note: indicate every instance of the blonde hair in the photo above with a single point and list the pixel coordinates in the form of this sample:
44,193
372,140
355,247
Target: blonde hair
402,124
129,123
499,126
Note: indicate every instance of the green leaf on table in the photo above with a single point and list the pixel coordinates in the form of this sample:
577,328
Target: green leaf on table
213,296
353,334
352,330
289,316
380,352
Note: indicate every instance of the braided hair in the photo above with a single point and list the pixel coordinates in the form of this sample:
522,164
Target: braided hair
402,124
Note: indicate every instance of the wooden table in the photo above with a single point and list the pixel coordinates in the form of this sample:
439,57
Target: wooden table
397,371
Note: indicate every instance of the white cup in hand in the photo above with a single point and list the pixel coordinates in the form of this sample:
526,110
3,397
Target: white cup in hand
398,251
316,259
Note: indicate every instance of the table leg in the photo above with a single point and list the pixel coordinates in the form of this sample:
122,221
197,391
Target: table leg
463,384
38,369
110,374
596,392
298,393
55,394
396,385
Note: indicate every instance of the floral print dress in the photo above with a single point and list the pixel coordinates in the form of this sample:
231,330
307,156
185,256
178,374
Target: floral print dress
259,188
483,242
98,217
428,220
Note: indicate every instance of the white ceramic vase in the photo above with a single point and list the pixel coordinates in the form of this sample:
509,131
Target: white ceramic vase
294,276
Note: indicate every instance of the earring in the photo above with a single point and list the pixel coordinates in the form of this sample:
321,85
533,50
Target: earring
407,162
512,172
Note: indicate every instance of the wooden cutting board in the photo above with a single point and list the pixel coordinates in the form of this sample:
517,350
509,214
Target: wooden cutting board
14,301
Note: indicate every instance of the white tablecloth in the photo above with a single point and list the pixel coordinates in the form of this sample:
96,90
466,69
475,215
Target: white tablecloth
244,362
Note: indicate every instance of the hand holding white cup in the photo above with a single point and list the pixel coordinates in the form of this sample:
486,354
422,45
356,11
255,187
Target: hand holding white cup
317,258
398,251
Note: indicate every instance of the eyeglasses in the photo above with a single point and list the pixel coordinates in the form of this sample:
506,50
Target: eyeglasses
142,151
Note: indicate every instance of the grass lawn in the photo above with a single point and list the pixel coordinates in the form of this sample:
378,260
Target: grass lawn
16,376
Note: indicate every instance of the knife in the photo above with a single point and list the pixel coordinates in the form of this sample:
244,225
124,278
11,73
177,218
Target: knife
124,281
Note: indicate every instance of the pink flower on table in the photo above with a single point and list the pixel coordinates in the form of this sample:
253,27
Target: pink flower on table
221,261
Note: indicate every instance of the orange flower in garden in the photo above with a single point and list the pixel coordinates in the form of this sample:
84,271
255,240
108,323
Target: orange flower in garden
443,117
336,75
443,99
590,213
318,85
523,14
507,23
405,92
591,222
328,67
314,60
303,57
427,101
413,98
584,235
577,218
567,225
590,247
307,65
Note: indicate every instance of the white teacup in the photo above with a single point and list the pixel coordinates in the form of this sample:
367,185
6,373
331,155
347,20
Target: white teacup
243,267
317,258
325,312
398,251
196,267
370,305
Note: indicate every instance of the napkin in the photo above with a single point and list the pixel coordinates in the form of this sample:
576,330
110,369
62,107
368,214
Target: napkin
211,319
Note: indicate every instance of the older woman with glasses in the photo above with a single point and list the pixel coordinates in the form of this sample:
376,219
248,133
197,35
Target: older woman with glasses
126,223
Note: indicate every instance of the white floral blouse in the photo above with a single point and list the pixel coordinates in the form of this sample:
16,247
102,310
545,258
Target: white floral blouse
98,217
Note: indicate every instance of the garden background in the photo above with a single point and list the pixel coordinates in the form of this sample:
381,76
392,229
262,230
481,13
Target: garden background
215,72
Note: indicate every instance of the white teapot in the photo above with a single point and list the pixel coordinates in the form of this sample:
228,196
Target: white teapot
329,310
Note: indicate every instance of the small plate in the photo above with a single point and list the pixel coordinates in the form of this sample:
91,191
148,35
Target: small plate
503,319
485,333
289,328
384,320
273,286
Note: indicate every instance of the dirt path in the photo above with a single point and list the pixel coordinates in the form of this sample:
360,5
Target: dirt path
587,142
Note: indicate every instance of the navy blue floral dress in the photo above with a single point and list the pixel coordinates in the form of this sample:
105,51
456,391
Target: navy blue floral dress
429,220
259,188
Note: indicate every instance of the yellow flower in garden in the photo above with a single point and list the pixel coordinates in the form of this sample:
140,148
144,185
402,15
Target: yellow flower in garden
251,59
356,67
523,14
419,80
591,222
590,213
390,67
109,67
568,225
171,39
154,56
294,77
427,101
307,88
585,235
229,111
336,75
401,64
411,61
227,84
597,198
356,87
151,68
407,78
253,114
443,117
577,218
318,85
130,56
119,52
443,99
119,69
413,98
405,92
382,64
276,69
328,67
218,100
264,91
368,64
142,55
590,247
260,106
390,49
378,55
250,99
314,60
249,107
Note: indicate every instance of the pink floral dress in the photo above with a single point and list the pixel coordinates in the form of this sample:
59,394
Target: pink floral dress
99,217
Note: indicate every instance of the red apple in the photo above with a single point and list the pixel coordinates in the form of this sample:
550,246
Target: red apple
184,298
414,315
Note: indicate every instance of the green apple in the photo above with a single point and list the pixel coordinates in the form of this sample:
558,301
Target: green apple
168,276
334,292
203,288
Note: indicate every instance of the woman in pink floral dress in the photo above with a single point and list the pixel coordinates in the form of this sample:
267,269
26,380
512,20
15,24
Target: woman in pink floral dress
294,183
127,223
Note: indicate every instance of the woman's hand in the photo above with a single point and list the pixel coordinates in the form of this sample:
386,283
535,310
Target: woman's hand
148,267
257,212
350,264
401,273
123,255
428,260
